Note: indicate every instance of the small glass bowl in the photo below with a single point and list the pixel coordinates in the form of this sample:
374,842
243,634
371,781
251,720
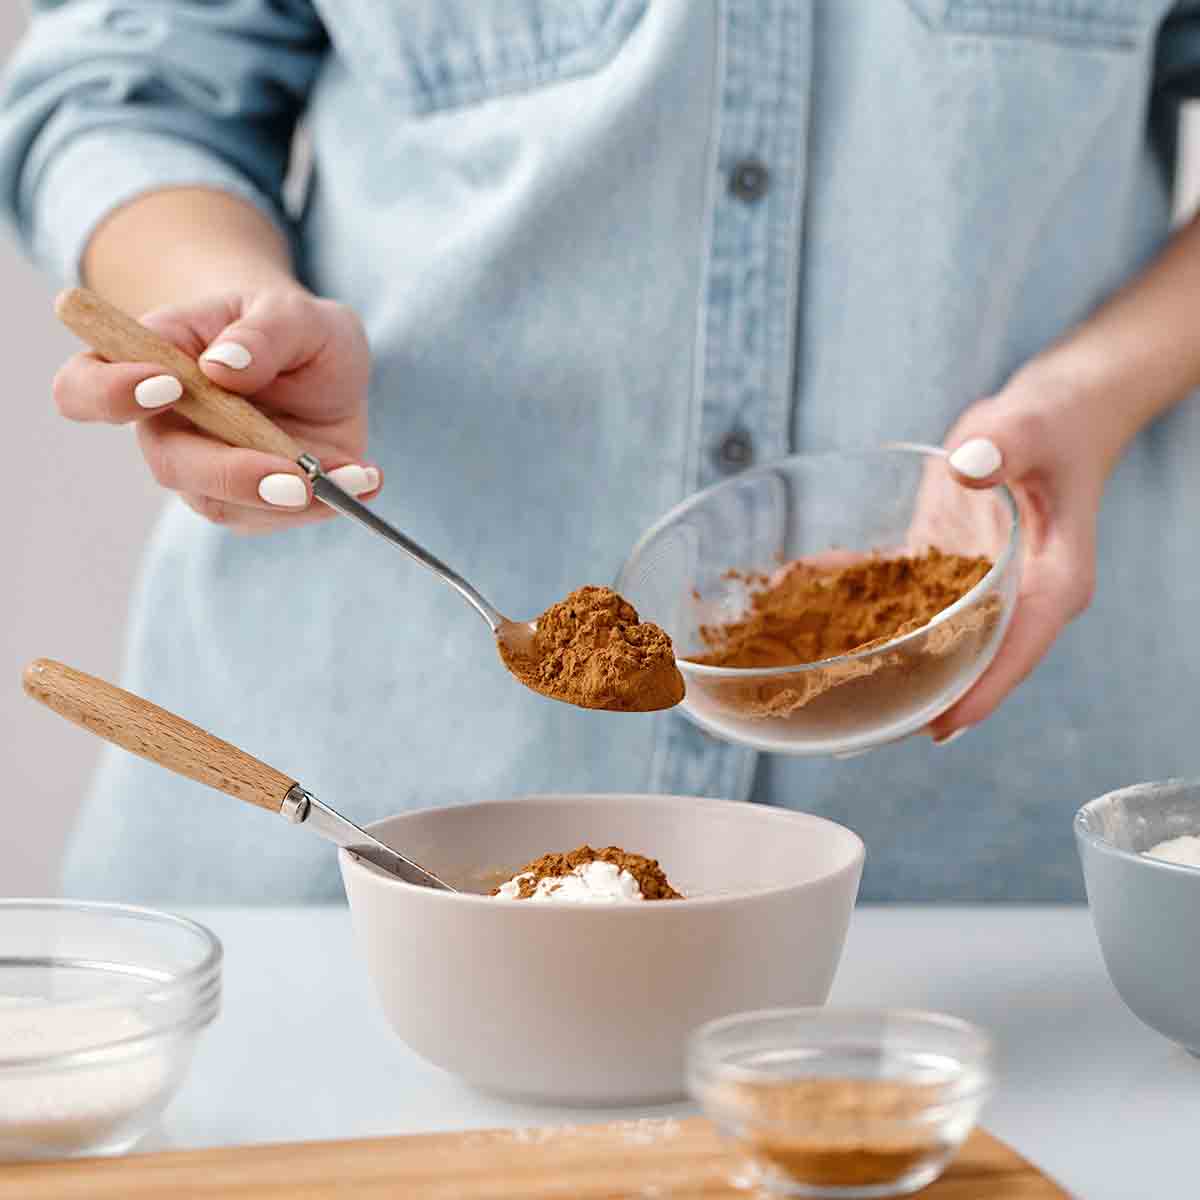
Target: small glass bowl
101,1006
689,571
841,1103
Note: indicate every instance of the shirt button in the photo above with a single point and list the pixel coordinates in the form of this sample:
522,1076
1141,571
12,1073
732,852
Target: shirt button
748,181
735,452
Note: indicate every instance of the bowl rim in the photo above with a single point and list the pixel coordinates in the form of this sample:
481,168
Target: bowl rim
998,569
703,1059
350,862
201,979
1084,833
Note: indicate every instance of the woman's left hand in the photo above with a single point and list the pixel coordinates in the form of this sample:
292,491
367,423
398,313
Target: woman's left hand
1055,456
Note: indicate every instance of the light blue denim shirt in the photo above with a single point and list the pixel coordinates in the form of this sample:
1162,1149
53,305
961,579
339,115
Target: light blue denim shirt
608,251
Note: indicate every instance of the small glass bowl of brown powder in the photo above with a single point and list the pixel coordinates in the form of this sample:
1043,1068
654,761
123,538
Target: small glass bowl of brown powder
841,1104
829,603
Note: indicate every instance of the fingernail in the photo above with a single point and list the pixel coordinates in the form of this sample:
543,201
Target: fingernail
229,354
284,491
356,480
977,459
951,737
157,391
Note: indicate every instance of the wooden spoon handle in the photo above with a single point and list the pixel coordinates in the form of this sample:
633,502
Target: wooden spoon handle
119,338
153,733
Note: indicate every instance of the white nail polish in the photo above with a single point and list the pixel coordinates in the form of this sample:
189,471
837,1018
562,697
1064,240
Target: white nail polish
951,737
229,354
157,391
355,479
977,459
284,491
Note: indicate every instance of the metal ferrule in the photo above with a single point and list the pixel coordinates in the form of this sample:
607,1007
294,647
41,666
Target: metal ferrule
296,805
310,465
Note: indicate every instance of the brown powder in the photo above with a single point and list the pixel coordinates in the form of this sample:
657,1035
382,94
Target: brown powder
836,1132
806,614
650,876
592,651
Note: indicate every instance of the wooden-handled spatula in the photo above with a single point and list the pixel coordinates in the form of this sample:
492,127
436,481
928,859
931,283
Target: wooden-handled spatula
161,737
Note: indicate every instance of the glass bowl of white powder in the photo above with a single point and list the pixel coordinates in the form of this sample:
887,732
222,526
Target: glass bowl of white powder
101,1006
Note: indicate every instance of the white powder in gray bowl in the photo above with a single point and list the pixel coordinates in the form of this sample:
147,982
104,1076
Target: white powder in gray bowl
64,1109
1183,850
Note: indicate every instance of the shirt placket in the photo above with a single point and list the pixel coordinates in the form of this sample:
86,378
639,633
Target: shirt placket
747,323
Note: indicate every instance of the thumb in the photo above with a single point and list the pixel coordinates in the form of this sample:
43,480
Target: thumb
986,449
279,331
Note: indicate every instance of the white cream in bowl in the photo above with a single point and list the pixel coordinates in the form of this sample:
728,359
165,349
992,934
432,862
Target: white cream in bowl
1183,850
595,882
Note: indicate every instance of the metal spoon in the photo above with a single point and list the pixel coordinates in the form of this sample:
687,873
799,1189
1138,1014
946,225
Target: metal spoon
161,737
118,338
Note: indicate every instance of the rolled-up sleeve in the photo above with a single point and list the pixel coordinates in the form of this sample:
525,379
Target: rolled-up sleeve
107,99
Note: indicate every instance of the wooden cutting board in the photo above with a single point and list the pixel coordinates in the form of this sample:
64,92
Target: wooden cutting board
629,1160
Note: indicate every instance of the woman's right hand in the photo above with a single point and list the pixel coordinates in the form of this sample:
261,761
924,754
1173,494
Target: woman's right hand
304,361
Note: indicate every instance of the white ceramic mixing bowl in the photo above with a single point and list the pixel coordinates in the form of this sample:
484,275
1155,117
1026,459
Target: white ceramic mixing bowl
592,1004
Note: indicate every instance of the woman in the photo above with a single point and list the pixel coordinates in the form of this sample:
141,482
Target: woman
604,253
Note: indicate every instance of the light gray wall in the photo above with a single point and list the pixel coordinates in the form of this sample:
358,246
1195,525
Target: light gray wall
76,509
78,504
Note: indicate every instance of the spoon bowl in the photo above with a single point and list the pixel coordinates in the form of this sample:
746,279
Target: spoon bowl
591,650
515,639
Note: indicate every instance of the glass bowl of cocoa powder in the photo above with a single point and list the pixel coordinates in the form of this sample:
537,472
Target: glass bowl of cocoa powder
841,1103
830,603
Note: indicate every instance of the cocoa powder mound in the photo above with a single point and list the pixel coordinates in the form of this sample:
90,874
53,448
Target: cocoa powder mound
650,876
805,614
838,1132
591,650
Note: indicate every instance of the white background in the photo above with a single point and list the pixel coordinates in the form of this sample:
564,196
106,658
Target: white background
77,504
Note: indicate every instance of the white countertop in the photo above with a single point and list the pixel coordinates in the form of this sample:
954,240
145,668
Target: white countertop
1110,1109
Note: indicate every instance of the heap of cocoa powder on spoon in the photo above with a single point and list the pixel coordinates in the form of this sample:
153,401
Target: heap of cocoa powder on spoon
591,650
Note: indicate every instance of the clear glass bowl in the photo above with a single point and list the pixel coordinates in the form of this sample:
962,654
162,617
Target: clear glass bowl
101,1006
834,507
848,1103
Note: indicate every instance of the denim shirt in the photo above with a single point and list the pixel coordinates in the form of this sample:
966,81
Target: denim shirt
607,252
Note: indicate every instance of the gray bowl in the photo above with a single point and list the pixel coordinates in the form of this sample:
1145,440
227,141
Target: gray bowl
1146,911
